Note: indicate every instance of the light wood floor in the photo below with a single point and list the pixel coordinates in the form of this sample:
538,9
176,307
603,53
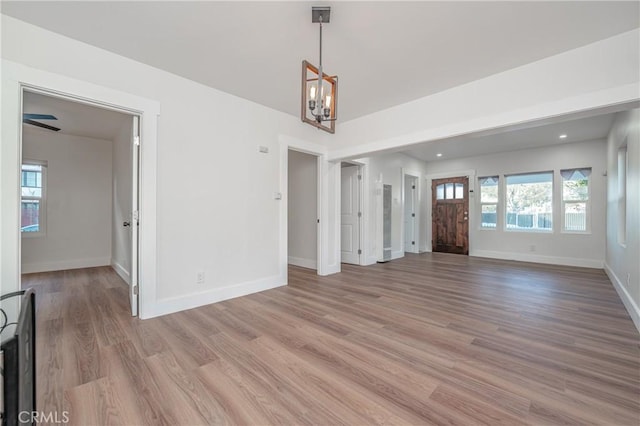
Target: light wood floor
428,339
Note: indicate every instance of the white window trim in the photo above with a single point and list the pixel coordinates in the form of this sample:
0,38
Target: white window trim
42,210
497,204
587,209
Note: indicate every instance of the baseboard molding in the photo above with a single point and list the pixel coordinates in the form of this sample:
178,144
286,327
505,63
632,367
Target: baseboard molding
551,260
629,304
123,273
370,260
194,300
397,254
28,268
334,268
303,263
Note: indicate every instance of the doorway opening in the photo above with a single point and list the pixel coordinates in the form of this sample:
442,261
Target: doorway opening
302,209
450,215
79,198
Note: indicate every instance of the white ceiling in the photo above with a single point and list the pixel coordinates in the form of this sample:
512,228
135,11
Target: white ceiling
584,129
385,53
74,118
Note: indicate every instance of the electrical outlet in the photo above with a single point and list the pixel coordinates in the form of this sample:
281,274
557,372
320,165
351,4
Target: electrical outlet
200,277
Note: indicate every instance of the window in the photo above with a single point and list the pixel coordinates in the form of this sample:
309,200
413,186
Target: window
529,202
450,191
575,200
32,206
489,202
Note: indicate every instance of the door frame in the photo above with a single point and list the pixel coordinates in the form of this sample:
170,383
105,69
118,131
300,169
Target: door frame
134,273
319,151
15,79
362,168
471,174
285,198
417,207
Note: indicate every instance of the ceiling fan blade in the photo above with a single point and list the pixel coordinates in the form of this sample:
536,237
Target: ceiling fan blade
38,116
44,126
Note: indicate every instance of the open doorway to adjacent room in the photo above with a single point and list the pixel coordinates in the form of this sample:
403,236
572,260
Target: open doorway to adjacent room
79,193
302,208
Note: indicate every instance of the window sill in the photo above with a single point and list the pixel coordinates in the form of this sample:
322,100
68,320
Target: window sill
530,231
30,235
576,232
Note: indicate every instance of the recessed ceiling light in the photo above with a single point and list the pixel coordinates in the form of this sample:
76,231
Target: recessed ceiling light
563,136
438,155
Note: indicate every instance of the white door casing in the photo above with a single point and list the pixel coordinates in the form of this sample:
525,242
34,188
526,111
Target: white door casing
350,215
135,214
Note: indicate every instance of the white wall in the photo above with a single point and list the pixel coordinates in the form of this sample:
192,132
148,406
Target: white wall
303,209
216,211
122,176
622,261
598,75
78,199
557,247
391,168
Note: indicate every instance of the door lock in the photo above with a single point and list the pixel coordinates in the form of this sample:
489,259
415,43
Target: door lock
126,223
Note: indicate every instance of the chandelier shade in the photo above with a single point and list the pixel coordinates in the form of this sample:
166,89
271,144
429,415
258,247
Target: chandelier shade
319,108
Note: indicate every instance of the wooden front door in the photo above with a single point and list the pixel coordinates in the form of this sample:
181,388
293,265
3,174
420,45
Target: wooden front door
450,217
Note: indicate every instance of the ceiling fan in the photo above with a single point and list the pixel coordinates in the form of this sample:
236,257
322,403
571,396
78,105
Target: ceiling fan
30,119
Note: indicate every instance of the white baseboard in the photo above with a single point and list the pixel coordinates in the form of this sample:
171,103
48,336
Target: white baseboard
334,268
397,254
194,300
123,273
63,265
303,263
632,307
551,260
370,260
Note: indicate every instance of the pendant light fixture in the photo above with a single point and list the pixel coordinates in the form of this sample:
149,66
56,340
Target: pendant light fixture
319,90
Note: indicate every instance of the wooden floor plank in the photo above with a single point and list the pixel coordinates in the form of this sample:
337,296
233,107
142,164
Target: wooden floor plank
425,339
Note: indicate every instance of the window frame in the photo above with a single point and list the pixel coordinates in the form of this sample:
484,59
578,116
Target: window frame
505,212
587,202
42,200
496,203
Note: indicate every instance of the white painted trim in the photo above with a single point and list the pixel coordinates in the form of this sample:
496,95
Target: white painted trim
594,103
63,265
303,263
15,77
397,254
550,260
288,142
444,175
332,174
123,273
629,304
177,304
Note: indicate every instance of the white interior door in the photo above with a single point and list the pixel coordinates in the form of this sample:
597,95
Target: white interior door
410,214
135,146
350,215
